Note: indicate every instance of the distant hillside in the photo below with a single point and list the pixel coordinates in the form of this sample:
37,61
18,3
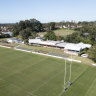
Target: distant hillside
8,23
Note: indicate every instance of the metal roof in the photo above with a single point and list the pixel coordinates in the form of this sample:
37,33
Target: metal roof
68,46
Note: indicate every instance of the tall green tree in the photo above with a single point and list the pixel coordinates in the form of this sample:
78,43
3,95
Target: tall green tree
33,24
86,34
92,53
25,33
16,30
52,25
50,35
33,35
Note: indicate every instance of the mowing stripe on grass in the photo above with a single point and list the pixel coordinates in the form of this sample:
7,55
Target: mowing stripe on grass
26,74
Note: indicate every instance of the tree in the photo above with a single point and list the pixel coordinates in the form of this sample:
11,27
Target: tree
52,25
36,26
22,25
92,53
60,38
73,38
86,34
33,35
49,26
25,33
50,35
33,24
16,30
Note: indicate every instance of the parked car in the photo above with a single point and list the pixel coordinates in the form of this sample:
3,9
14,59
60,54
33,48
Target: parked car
84,55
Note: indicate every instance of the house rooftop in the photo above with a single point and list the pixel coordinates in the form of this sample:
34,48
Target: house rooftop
60,44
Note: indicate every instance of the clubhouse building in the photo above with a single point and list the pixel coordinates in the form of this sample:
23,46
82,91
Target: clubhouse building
69,48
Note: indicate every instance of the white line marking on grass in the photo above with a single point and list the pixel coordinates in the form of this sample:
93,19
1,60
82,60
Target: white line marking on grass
46,82
61,93
73,81
79,75
43,54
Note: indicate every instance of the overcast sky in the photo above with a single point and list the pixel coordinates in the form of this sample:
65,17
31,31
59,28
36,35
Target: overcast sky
12,11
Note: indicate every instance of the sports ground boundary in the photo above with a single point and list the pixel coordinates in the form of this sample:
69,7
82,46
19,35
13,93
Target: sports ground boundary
42,54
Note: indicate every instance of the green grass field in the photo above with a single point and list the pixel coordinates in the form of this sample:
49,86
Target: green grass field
26,74
63,32
59,32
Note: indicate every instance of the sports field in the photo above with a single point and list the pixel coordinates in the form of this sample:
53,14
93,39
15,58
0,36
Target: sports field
59,32
26,74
